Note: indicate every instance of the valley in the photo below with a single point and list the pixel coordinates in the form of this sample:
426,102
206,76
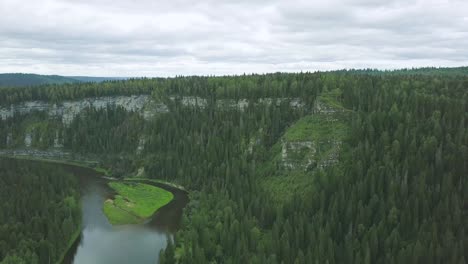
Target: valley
337,167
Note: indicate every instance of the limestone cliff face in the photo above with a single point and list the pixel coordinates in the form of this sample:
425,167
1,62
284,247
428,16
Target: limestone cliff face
142,104
68,110
307,155
298,155
321,152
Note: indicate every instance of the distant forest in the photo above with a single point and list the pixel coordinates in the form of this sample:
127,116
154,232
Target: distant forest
24,79
27,79
456,71
368,167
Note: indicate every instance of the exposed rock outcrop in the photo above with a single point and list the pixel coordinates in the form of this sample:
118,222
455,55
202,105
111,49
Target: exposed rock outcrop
297,155
68,110
142,104
307,155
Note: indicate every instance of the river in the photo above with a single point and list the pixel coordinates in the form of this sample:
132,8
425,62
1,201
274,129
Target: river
102,243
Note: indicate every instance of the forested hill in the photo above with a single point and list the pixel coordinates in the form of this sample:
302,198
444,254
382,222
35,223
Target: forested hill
335,167
28,79
95,79
429,71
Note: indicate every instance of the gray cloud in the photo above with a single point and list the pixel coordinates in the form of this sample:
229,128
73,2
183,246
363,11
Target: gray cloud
167,38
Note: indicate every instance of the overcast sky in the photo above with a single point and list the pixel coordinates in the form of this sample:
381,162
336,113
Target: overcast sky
212,37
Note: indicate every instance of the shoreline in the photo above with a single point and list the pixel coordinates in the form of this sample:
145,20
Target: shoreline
100,173
75,237
103,173
87,165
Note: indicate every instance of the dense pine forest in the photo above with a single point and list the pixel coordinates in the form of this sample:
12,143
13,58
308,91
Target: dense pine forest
40,214
339,167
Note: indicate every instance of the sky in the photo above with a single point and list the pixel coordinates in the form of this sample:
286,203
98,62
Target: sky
131,38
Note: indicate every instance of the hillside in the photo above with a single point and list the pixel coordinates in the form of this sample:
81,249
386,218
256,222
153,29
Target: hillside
312,143
95,79
26,79
427,71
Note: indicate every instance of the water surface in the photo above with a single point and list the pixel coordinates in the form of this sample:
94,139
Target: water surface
102,243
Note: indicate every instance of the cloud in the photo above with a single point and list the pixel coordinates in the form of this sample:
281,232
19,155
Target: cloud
181,37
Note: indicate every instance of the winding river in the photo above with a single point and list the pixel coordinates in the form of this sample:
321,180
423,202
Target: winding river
102,243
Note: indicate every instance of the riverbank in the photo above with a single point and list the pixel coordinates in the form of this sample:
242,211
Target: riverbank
128,206
101,242
71,242
83,164
165,220
25,182
148,180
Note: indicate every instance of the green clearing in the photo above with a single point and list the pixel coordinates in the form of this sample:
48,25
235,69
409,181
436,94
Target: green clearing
332,99
134,202
317,127
118,216
320,129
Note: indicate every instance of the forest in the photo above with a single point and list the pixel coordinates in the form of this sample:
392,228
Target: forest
23,79
337,167
40,214
28,79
